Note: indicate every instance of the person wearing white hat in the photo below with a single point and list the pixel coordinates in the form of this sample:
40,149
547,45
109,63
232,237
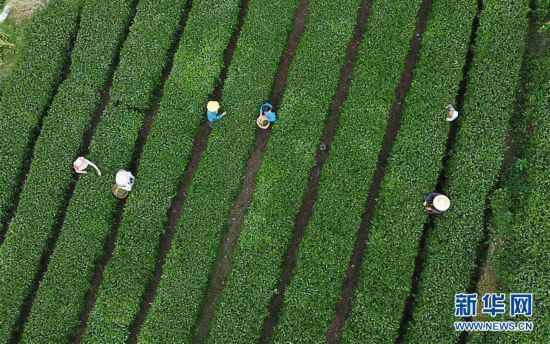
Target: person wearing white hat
436,203
212,113
124,181
452,114
81,163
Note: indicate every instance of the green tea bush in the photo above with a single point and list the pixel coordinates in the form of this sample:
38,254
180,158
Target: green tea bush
218,177
71,115
521,264
92,207
163,160
412,171
139,74
28,90
284,172
48,179
473,168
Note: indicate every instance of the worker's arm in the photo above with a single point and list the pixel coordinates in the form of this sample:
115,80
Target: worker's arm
95,167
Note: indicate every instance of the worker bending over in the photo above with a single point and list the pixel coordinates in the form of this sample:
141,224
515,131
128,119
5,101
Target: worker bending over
212,113
452,114
436,203
267,111
81,163
124,181
267,116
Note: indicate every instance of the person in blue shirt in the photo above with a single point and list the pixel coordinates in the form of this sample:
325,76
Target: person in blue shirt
212,113
267,111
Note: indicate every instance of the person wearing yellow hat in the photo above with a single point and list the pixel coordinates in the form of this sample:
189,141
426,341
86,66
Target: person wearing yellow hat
436,203
212,113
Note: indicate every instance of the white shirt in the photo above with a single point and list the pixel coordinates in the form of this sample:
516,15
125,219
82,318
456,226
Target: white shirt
125,180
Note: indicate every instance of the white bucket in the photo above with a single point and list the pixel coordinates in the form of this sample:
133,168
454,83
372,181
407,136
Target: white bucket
5,12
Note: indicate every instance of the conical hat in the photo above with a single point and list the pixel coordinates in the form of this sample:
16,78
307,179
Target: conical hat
441,202
213,106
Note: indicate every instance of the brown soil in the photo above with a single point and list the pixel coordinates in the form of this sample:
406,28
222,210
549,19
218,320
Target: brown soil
238,213
349,284
488,282
199,145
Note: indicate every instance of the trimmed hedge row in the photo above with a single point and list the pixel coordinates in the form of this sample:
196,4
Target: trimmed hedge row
284,172
141,69
167,149
473,167
29,87
217,180
90,212
59,143
102,26
543,9
413,167
45,191
530,252
323,257
49,176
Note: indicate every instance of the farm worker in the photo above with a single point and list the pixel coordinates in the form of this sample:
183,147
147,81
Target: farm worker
81,163
452,114
124,181
267,116
212,113
436,203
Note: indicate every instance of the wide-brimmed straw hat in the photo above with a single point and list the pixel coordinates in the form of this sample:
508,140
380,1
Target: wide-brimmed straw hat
441,202
213,105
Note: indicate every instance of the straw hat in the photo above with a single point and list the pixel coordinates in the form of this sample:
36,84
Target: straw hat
213,106
441,202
